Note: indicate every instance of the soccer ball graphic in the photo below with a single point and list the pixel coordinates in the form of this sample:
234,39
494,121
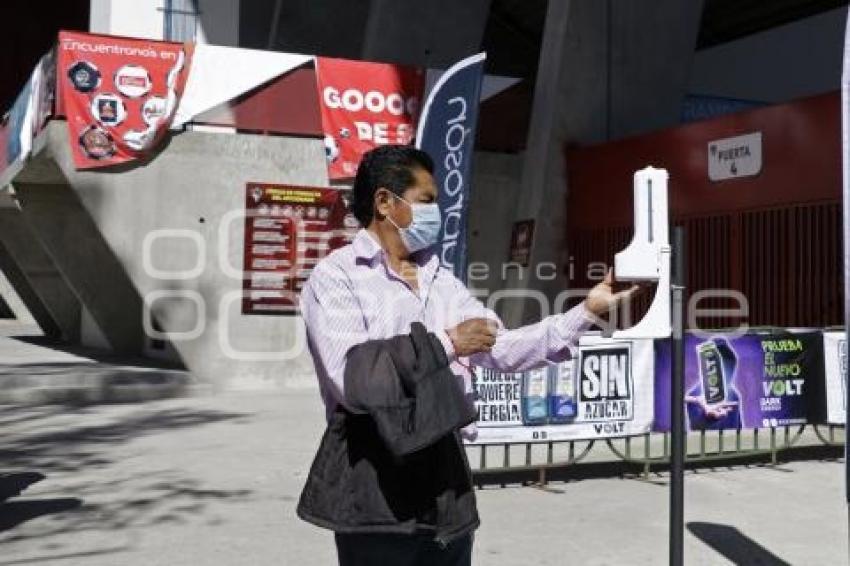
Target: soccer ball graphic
331,149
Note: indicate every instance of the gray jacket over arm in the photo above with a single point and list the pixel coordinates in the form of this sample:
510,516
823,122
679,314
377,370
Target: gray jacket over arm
392,461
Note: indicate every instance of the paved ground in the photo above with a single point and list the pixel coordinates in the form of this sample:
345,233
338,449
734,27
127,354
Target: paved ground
34,370
213,480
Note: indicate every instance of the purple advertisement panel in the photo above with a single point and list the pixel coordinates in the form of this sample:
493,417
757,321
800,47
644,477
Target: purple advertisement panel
751,381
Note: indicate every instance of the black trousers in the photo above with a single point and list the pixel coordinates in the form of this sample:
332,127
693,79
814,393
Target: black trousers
401,550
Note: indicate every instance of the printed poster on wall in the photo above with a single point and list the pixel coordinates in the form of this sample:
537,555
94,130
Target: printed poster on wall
522,237
288,229
365,105
752,381
607,391
119,94
835,370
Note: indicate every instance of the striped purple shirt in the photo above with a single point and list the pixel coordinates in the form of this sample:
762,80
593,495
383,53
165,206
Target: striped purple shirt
353,295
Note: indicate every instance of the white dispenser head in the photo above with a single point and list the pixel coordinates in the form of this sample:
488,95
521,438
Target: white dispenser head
647,257
639,261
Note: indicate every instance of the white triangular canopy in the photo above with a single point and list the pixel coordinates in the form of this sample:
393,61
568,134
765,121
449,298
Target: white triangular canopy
219,74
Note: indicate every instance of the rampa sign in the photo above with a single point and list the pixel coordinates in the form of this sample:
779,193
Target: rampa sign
731,158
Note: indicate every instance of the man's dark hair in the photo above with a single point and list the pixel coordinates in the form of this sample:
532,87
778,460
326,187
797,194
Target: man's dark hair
387,166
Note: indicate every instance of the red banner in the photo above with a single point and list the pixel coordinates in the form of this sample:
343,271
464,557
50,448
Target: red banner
365,105
288,229
119,94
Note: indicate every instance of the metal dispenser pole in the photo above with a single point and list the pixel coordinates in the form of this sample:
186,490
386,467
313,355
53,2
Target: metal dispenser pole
677,401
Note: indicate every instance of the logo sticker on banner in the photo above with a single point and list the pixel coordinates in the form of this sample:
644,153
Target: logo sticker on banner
365,105
84,76
108,109
154,110
133,81
96,143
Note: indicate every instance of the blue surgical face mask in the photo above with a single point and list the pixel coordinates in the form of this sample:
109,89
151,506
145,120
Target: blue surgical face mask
424,228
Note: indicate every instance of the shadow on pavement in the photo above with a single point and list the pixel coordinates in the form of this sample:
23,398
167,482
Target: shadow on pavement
42,559
98,355
87,383
80,449
13,513
13,484
5,310
734,545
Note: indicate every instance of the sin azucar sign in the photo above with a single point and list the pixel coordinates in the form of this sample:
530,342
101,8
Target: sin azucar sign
605,391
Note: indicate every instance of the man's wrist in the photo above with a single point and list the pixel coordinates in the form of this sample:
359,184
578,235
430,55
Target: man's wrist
448,345
588,317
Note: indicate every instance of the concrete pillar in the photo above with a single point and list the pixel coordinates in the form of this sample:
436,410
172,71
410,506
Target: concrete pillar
607,69
432,34
33,275
495,189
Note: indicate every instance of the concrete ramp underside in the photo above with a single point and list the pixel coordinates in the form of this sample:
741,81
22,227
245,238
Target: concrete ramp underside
72,239
168,233
33,274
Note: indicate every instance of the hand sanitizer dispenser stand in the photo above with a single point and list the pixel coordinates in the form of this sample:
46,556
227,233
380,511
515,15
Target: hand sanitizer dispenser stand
647,257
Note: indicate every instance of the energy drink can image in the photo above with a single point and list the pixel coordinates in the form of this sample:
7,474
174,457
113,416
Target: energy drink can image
562,392
714,402
711,372
535,410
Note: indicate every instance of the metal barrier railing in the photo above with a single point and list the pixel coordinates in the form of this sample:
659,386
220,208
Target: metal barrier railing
650,449
829,440
573,457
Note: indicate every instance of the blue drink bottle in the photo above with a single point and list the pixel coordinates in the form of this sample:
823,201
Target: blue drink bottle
534,406
562,393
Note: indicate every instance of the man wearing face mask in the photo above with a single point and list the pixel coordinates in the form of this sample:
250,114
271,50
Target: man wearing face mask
377,312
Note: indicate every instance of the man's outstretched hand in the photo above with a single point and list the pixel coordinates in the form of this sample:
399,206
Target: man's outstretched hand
602,298
473,336
479,334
